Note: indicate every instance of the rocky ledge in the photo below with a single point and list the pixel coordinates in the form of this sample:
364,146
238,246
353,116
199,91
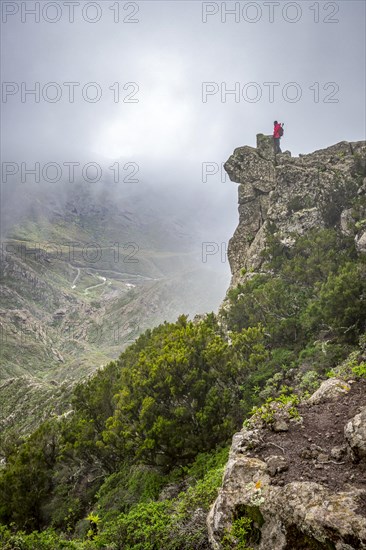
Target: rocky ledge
298,473
287,196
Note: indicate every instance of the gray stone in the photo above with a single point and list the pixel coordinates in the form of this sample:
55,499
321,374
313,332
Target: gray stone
347,221
292,193
329,390
355,434
322,457
245,440
280,426
361,242
276,464
337,453
311,507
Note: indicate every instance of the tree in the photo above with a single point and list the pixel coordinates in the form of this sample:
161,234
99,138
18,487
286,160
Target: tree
182,395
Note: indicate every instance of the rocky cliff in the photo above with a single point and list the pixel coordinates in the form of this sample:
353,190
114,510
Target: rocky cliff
296,475
287,196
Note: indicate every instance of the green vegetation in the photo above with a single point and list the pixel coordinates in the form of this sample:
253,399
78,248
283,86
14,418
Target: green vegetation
138,461
285,404
244,530
315,288
360,370
237,536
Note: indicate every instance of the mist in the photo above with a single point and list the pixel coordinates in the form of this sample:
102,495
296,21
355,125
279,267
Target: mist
164,91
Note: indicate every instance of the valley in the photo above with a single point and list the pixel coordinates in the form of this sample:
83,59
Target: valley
80,281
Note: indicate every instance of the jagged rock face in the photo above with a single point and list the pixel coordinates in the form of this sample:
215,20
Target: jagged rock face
300,488
288,196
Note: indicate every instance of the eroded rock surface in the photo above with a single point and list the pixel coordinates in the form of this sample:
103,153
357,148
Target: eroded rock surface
329,389
298,478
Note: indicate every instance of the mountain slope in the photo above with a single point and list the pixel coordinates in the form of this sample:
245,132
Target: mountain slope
83,273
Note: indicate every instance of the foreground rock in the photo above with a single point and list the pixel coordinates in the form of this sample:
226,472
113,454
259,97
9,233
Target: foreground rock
302,488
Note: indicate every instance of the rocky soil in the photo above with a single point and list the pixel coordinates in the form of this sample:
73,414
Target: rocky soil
302,479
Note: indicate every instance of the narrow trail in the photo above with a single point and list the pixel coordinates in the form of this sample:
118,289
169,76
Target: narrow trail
96,286
73,284
125,274
128,278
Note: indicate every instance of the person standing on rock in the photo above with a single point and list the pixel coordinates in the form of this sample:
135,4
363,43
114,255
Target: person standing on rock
277,134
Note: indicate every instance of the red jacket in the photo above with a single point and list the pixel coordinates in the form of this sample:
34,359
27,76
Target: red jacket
276,131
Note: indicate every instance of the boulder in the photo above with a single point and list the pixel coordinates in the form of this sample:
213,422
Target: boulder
310,495
361,242
296,515
329,390
338,452
280,425
276,464
355,434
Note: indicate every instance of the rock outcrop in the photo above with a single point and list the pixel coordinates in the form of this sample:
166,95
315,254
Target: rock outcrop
287,196
302,488
330,389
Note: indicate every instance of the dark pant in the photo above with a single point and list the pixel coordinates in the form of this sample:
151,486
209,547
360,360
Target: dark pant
276,144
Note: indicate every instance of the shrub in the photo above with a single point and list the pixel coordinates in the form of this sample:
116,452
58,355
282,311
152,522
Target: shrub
285,405
340,305
128,487
237,536
181,395
147,526
309,381
360,370
46,540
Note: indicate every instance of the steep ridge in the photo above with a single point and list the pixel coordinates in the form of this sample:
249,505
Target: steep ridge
296,475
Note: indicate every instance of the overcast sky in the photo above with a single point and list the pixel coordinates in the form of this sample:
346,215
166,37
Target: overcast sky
160,71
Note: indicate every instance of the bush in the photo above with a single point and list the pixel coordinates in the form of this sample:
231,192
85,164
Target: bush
47,540
360,370
309,381
270,301
237,536
181,396
176,524
128,487
339,307
145,527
